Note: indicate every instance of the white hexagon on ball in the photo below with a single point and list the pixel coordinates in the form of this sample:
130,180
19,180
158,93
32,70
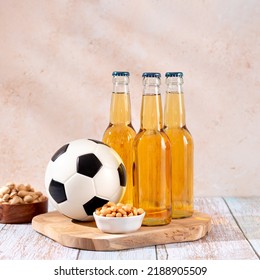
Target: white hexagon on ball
83,175
79,184
107,182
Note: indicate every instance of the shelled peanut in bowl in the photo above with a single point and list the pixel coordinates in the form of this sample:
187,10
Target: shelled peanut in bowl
19,203
118,218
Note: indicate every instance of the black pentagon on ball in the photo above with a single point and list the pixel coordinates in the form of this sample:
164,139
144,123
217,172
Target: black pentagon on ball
88,165
122,175
93,204
61,151
57,191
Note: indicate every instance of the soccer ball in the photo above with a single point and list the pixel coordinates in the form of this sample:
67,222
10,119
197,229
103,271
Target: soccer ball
82,176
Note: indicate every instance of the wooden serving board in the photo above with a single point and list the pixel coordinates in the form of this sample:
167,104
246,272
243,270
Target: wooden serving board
85,235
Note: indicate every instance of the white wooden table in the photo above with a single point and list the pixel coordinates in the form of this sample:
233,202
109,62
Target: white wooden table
235,235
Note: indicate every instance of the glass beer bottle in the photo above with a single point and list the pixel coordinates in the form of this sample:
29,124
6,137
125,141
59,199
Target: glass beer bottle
152,157
120,133
182,146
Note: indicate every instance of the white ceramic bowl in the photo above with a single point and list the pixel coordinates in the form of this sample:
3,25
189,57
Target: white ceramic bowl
118,224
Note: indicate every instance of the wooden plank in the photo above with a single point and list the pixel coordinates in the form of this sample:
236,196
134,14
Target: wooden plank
146,253
225,241
85,235
21,242
246,211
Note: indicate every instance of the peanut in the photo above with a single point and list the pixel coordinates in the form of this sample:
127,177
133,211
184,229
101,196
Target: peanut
122,211
12,194
111,209
110,203
38,194
10,185
127,207
41,198
23,193
140,211
6,197
4,190
20,194
16,200
105,211
28,198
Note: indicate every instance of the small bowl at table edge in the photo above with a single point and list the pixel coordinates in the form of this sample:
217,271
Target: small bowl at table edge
22,213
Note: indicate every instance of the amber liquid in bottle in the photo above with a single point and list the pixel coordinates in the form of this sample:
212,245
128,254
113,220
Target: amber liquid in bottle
120,133
182,149
152,163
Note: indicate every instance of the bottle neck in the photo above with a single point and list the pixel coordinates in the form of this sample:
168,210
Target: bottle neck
120,108
121,84
174,115
151,111
151,86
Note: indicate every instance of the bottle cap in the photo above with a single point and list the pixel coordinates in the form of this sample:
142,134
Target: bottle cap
120,73
151,75
174,74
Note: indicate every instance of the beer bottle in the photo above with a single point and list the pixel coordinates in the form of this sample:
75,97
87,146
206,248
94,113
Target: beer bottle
182,146
152,157
120,133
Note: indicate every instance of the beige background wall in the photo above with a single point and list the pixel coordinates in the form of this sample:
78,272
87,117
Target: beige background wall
56,60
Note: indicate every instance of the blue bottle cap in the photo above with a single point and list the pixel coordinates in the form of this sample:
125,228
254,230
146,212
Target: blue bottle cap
121,73
151,75
174,74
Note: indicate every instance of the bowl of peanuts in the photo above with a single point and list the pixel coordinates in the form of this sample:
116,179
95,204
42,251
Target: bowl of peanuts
19,203
118,218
